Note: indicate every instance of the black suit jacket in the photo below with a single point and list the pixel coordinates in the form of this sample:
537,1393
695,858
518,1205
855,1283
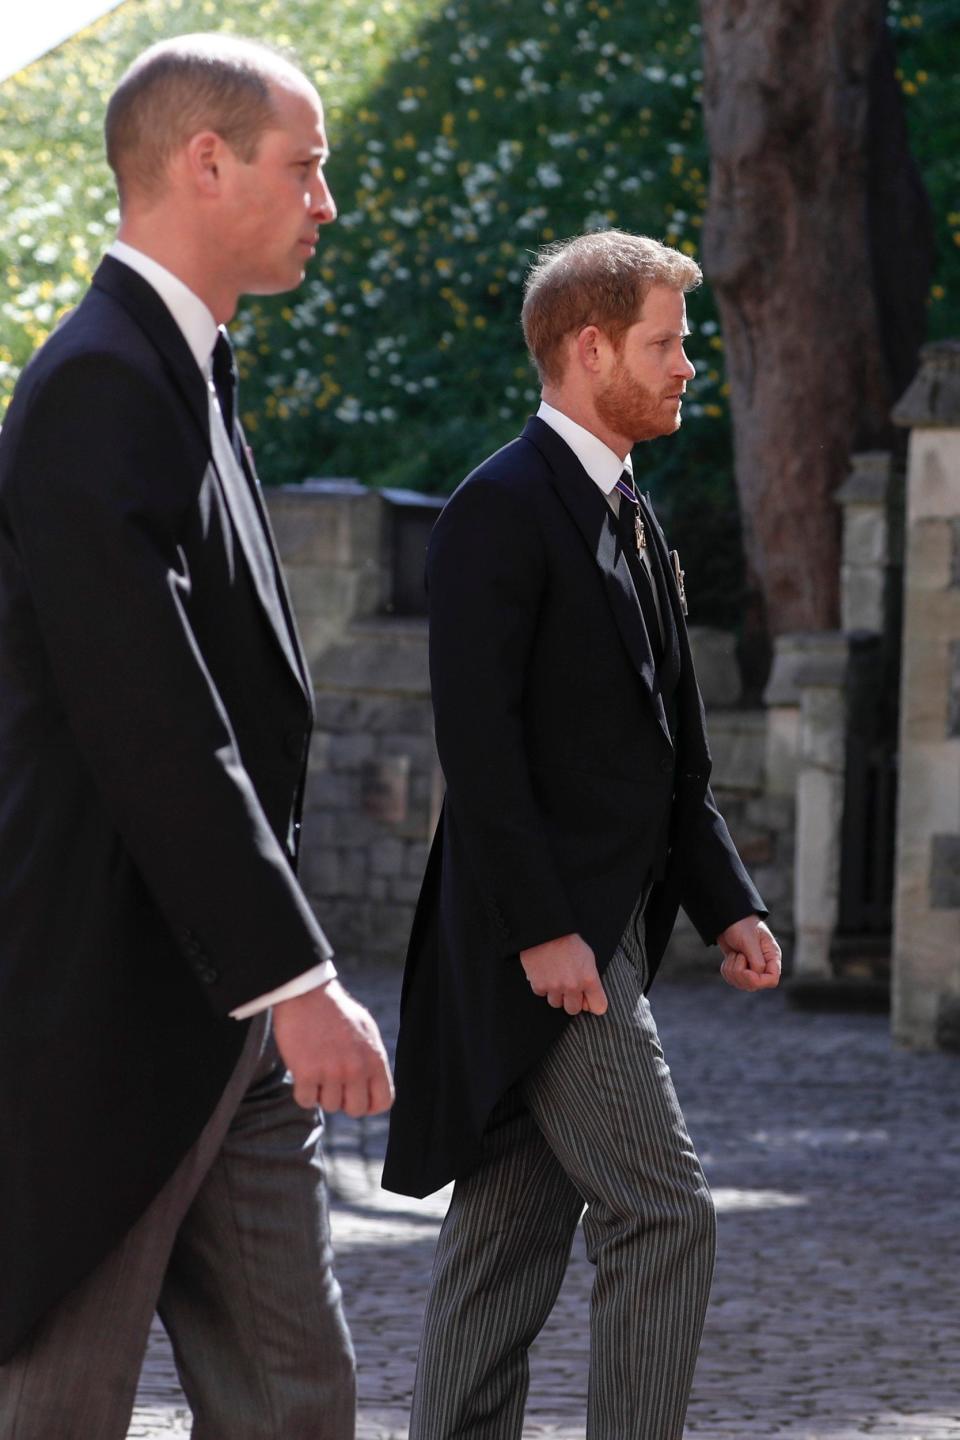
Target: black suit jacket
567,789
154,727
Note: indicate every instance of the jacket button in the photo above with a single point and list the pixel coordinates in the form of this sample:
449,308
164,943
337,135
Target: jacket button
207,973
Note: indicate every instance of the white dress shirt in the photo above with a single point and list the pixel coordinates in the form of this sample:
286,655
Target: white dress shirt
604,467
199,329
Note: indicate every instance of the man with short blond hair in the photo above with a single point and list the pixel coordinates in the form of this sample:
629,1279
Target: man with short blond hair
578,816
160,967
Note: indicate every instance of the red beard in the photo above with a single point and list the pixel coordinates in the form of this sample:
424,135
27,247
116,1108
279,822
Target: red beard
633,411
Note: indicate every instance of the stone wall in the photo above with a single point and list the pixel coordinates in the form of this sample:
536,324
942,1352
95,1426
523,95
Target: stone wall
374,784
926,975
760,819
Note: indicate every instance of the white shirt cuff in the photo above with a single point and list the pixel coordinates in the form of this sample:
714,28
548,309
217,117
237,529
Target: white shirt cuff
309,980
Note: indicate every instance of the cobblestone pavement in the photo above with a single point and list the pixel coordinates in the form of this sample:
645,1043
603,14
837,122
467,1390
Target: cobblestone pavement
835,1162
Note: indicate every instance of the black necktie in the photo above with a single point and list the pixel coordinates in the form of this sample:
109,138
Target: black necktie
627,532
225,384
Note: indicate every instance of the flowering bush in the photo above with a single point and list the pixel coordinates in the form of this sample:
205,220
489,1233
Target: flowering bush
463,135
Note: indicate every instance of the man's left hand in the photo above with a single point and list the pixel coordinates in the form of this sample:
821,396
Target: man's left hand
751,956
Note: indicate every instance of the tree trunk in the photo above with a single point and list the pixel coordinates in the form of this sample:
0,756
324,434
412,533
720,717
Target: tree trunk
818,244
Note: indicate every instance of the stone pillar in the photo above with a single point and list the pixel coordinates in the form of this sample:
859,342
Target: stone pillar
782,702
868,541
821,681
329,535
926,964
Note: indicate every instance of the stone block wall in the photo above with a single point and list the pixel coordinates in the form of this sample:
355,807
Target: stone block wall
374,787
760,819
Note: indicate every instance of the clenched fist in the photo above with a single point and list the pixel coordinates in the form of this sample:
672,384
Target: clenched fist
565,971
751,956
332,1048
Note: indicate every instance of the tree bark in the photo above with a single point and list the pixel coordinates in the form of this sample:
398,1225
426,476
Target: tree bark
818,244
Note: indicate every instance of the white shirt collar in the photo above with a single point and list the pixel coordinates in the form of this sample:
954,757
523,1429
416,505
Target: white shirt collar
196,323
600,462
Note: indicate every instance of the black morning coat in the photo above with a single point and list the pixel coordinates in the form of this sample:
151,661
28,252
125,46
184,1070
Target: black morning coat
565,787
154,725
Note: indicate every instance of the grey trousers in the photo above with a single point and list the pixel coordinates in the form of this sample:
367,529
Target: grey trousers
235,1255
596,1124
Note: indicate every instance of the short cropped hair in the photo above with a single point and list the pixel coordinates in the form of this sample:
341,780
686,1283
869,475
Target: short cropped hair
182,86
598,279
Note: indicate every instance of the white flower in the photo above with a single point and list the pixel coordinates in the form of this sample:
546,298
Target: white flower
548,175
47,254
532,218
481,175
409,102
656,73
348,410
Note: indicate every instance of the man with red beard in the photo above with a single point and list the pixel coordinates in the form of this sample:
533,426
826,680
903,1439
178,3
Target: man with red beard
578,817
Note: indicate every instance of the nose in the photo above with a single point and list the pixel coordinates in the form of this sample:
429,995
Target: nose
685,369
323,207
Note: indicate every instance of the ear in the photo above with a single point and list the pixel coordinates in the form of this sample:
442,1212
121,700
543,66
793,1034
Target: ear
204,155
592,349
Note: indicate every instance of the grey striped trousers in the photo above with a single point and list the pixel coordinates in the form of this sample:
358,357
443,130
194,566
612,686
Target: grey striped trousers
597,1123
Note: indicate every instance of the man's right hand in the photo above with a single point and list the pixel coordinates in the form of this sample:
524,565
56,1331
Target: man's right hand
565,971
332,1048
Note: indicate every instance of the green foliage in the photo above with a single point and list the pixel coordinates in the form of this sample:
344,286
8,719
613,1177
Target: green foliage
464,135
928,47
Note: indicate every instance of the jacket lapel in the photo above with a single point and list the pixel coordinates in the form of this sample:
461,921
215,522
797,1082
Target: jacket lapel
594,519
288,628
238,485
696,758
252,528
